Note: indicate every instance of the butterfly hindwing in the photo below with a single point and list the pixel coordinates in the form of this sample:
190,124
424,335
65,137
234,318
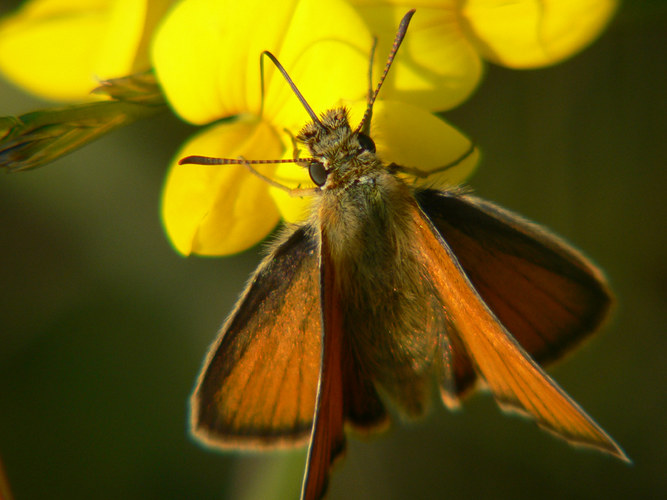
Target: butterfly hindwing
546,294
515,380
259,382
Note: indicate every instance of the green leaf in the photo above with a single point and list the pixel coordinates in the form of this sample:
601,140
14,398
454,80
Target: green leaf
35,139
141,88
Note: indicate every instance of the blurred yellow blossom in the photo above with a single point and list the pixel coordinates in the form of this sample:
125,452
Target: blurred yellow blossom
61,49
531,33
449,38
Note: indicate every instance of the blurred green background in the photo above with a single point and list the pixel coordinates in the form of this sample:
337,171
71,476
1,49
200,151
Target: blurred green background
104,326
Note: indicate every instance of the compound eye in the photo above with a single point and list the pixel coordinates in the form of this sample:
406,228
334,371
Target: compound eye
366,143
318,174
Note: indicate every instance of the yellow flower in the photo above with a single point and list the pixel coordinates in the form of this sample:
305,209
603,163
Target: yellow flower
207,59
532,33
61,49
449,38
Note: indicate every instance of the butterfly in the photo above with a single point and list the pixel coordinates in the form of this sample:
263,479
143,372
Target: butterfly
383,292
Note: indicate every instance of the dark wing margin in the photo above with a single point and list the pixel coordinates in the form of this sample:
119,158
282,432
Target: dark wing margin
258,385
545,293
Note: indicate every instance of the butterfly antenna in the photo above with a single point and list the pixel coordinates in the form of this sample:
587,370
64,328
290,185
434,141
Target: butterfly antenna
209,160
299,96
371,61
365,125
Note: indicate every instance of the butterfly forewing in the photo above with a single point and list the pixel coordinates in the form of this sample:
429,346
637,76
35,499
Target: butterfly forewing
545,293
259,383
515,380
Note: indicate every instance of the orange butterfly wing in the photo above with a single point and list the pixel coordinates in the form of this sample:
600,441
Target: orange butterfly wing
545,293
515,380
259,382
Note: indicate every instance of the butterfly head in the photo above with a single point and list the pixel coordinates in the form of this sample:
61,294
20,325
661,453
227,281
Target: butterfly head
336,149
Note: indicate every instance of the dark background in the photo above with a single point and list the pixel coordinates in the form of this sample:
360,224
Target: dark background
104,326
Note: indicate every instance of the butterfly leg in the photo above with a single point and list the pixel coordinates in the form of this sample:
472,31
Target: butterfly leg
296,152
422,174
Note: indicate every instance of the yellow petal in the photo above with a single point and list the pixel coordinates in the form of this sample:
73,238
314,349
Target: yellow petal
200,55
412,137
528,33
326,51
436,68
207,57
220,210
60,49
124,50
49,48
